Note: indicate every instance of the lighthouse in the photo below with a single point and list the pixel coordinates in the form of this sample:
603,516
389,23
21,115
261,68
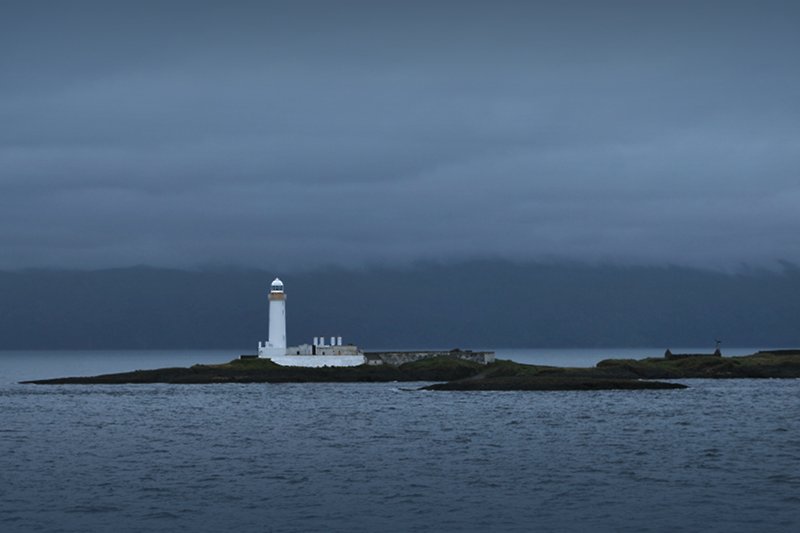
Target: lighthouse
321,354
317,354
276,345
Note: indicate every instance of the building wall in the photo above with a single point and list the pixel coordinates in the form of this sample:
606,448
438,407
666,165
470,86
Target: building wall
265,349
338,350
307,349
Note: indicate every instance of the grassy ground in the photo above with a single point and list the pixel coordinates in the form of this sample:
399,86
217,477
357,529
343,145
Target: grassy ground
762,365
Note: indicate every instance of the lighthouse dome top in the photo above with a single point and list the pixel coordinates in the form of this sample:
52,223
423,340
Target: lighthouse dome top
276,285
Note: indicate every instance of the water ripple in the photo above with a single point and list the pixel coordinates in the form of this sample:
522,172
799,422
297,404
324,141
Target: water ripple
720,456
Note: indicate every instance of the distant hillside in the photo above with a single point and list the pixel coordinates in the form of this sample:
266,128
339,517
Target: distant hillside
473,304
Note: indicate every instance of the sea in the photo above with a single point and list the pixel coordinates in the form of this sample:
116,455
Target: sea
722,455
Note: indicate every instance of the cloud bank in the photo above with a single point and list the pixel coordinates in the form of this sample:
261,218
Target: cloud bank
300,134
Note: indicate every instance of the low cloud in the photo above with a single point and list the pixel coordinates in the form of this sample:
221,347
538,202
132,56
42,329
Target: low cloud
307,136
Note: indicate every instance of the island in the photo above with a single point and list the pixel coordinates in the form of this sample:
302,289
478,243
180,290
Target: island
454,374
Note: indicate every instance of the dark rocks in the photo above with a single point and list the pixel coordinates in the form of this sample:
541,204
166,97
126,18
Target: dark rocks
565,383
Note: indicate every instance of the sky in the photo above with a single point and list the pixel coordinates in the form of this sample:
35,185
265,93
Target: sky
310,133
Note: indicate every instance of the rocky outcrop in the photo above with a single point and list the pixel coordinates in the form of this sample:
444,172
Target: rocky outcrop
551,384
783,364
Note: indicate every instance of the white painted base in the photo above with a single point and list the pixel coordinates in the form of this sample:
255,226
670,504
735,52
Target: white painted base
319,360
267,349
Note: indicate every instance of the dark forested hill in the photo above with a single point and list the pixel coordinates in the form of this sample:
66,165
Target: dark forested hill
482,303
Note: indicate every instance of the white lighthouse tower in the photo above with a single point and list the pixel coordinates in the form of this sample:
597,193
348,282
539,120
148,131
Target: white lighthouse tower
276,345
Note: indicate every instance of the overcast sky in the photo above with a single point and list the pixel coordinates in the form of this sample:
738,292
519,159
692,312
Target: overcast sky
305,133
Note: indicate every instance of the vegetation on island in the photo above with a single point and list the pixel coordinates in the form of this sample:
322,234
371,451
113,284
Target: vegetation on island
779,364
458,374
265,371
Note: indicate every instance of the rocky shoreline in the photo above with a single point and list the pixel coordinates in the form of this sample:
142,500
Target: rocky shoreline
610,374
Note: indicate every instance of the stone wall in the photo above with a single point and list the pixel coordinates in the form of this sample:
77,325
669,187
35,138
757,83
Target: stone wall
319,360
399,358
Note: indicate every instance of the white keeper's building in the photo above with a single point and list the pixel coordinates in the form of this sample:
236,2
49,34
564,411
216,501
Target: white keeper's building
318,353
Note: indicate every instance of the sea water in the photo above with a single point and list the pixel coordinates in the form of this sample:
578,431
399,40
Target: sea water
722,455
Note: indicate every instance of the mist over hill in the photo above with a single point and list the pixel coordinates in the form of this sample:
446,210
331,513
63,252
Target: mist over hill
470,304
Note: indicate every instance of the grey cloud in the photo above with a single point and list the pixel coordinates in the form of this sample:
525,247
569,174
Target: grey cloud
307,133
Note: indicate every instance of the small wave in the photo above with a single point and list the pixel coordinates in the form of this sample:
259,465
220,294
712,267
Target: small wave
90,509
